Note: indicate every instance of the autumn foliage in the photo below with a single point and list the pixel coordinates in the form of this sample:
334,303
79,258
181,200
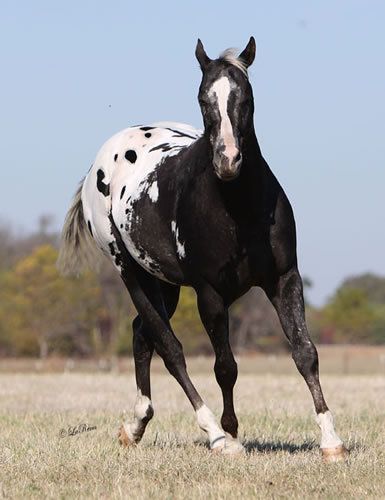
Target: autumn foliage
44,313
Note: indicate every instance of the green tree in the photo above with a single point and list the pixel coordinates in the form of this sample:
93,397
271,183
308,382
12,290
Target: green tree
41,311
349,315
371,284
187,324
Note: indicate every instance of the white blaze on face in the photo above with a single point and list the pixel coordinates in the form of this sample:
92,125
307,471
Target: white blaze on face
221,91
329,437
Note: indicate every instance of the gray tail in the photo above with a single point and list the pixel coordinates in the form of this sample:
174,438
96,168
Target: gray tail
78,250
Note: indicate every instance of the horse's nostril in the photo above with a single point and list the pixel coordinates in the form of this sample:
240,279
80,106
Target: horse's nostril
238,157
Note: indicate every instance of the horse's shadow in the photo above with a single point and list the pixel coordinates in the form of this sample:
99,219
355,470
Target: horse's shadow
254,445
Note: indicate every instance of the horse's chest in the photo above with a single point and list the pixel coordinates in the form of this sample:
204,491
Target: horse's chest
231,256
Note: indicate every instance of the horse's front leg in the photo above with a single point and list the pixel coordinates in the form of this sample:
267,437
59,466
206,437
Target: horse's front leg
214,316
287,298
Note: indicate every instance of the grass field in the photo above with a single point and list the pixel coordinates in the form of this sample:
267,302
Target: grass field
276,426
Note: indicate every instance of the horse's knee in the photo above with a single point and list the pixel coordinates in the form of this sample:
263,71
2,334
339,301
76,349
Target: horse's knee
172,355
142,345
305,357
226,372
175,363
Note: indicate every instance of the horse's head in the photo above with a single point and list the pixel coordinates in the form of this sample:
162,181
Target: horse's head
226,100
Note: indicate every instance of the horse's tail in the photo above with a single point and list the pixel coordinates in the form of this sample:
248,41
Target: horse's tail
78,250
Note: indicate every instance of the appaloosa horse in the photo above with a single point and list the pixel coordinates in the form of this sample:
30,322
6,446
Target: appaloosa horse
172,206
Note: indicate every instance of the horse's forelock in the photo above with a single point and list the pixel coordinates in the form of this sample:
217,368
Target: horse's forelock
230,56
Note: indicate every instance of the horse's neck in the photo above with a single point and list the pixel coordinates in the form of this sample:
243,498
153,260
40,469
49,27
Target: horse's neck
253,166
251,144
246,195
252,155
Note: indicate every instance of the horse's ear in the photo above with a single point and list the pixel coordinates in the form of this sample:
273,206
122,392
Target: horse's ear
248,55
201,55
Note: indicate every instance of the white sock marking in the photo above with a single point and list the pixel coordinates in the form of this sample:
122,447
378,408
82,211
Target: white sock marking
329,437
136,428
207,423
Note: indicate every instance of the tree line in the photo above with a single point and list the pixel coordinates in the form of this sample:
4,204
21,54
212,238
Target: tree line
43,313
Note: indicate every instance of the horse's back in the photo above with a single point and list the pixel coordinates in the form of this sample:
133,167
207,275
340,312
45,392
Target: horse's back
125,171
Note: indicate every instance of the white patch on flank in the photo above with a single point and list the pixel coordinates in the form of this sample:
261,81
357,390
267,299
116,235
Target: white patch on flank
329,437
179,245
153,192
207,423
134,177
136,428
221,89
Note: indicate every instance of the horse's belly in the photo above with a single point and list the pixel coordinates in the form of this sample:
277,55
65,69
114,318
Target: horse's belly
123,178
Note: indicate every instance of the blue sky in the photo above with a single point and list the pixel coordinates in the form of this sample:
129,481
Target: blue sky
74,73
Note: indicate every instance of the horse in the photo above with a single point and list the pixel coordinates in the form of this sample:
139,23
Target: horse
173,206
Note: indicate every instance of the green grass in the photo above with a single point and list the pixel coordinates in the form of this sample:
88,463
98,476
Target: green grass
173,461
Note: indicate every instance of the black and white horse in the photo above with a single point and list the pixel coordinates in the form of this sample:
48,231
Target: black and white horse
173,206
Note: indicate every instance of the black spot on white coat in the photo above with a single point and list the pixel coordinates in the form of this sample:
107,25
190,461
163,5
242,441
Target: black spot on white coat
165,146
131,156
102,187
178,133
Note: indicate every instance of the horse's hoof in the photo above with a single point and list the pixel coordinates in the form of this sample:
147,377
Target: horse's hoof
219,445
232,447
123,438
229,446
337,454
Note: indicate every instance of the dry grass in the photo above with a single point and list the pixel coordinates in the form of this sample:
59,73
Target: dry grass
276,426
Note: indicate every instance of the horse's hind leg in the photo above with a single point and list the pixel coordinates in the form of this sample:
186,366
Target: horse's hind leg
145,291
288,301
214,316
143,349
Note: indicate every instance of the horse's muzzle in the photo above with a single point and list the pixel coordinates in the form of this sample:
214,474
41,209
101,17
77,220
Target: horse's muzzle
227,168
